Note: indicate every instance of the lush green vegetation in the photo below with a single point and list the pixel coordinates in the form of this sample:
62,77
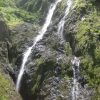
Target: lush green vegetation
14,15
6,86
7,3
88,42
33,5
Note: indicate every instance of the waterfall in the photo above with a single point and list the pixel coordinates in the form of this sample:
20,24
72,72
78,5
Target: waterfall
75,66
62,22
75,61
37,39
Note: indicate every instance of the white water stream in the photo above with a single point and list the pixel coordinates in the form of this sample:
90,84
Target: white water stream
75,66
37,39
62,22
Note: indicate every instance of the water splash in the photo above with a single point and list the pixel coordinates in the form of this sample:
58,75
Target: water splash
62,22
75,66
37,39
82,18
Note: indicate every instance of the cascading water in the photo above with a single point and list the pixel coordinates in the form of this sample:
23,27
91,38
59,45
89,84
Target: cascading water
75,61
75,66
62,22
37,39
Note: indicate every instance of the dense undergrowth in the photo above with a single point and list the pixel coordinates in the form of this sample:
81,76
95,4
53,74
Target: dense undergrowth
88,42
7,90
14,15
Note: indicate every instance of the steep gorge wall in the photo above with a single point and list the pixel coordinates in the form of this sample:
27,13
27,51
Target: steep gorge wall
49,69
7,87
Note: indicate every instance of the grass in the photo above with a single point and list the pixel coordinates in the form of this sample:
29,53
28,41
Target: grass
14,15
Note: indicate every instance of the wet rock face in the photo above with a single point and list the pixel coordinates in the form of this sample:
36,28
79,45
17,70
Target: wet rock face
4,38
35,6
4,33
7,87
79,84
21,38
48,73
44,63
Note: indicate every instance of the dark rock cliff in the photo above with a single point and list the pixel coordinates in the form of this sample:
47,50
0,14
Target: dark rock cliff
7,87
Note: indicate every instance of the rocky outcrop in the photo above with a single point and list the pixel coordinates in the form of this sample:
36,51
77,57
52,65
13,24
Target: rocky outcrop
7,87
4,32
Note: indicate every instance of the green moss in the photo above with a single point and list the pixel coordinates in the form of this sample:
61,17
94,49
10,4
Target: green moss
37,84
97,56
61,6
7,3
67,49
44,70
78,4
39,62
